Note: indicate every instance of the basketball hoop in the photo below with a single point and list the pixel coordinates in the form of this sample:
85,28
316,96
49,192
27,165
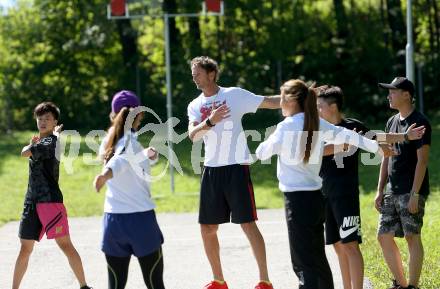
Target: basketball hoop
212,7
118,7
133,9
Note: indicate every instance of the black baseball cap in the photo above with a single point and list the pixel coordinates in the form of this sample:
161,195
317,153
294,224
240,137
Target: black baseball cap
400,83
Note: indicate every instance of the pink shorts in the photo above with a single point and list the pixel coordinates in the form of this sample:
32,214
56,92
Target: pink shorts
53,218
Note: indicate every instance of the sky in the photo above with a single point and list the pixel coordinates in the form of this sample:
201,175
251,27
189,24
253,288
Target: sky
7,3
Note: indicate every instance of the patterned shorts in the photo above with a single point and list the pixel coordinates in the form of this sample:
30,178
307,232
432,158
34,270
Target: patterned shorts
395,217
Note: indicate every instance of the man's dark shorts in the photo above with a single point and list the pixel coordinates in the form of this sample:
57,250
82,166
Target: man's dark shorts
343,220
227,195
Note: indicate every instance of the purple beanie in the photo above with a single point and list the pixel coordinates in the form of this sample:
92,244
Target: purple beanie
124,98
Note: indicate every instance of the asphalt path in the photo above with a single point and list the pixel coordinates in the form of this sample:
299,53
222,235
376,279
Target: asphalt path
186,266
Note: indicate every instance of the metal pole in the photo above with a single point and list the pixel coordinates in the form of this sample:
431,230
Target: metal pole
279,73
420,87
409,44
166,17
138,79
169,100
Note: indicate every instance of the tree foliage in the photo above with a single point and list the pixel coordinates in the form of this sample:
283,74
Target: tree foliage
69,52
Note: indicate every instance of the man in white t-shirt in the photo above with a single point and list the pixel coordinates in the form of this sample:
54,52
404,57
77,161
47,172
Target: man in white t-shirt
226,193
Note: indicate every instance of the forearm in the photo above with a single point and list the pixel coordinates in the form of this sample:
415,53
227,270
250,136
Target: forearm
197,131
332,149
350,137
268,148
383,175
271,102
101,179
329,149
26,151
390,137
107,174
264,151
419,175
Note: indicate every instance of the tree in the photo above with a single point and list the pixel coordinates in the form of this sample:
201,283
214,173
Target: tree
69,52
398,34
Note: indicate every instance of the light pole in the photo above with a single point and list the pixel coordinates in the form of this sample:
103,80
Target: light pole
169,99
410,43
166,18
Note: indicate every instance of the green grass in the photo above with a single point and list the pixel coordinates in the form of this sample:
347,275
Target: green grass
375,267
81,200
76,183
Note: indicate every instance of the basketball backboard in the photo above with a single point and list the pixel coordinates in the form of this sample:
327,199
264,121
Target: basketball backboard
130,9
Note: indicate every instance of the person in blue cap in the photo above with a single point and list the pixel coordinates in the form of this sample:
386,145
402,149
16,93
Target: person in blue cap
130,225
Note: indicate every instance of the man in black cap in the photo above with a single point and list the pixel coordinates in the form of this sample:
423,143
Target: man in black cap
403,186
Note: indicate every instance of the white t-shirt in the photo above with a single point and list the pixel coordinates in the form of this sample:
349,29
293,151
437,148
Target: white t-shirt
225,143
129,189
293,174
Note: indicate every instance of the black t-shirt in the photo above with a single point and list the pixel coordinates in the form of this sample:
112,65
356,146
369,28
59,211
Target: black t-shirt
44,173
339,172
401,168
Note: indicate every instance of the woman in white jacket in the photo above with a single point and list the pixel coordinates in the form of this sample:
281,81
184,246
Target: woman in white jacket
299,141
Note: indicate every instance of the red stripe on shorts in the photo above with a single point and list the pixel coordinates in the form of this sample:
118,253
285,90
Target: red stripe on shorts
251,193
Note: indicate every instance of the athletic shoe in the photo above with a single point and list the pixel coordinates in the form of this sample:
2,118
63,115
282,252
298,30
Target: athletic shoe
216,285
86,287
396,285
264,285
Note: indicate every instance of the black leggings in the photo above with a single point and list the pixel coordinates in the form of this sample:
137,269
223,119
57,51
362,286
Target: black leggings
305,218
151,266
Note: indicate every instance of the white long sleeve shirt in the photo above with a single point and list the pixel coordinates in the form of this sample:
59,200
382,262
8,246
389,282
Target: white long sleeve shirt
293,174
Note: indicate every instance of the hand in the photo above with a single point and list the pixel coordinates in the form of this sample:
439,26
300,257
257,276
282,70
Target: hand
219,114
387,150
414,132
342,148
378,201
413,204
151,153
34,139
99,182
359,132
57,130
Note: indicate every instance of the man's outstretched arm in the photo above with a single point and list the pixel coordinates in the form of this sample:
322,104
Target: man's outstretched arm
271,102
